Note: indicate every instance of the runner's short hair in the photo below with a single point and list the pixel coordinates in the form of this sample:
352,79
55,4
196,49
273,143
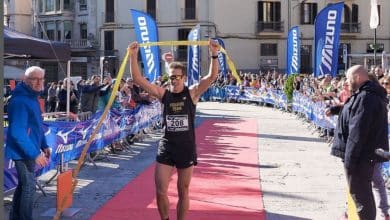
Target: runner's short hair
178,65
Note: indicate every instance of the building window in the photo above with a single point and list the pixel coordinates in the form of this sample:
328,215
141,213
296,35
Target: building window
83,31
182,50
308,13
49,5
40,5
269,18
110,11
151,8
7,20
190,9
109,40
83,5
269,11
58,5
68,30
269,50
350,23
51,71
68,4
306,59
50,30
355,13
58,28
79,69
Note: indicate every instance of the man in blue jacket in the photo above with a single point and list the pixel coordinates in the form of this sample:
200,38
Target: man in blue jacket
26,144
361,129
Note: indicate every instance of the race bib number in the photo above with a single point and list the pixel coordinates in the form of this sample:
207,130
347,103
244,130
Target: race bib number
177,122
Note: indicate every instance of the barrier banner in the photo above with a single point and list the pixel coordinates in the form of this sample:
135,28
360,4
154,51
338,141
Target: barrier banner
146,31
193,58
67,139
326,39
293,51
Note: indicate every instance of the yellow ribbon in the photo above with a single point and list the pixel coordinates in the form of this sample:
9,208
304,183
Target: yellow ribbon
92,137
192,43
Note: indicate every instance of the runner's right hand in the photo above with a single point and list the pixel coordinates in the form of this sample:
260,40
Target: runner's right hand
133,48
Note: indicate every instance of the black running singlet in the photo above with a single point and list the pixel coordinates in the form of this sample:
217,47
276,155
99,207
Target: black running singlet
179,118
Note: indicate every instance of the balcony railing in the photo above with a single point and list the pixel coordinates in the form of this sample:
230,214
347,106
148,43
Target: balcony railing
79,44
269,26
350,27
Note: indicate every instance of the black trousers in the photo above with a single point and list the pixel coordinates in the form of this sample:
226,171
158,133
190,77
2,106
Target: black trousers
360,188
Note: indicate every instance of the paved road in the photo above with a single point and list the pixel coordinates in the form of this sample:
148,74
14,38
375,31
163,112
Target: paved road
299,179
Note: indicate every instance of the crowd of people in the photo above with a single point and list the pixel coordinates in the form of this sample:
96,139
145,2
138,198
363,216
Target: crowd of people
92,95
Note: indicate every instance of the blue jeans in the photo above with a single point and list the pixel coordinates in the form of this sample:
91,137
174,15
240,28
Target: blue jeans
22,202
380,189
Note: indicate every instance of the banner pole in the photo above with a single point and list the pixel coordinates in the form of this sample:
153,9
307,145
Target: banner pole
374,46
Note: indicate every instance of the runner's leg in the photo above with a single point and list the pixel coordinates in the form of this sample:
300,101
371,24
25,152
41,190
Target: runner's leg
161,177
183,183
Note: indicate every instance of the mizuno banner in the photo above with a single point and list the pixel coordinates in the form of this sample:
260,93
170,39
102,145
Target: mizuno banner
293,51
146,31
222,59
326,39
193,58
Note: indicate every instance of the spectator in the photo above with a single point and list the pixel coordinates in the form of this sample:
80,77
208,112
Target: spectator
26,143
90,95
52,97
355,143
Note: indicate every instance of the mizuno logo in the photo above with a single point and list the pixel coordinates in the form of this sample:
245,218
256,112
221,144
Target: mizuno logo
327,50
64,135
143,26
195,55
294,59
64,147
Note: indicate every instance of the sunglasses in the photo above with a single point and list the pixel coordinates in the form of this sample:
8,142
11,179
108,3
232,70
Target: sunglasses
177,77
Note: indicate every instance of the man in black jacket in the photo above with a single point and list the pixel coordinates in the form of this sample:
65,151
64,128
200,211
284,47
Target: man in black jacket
361,129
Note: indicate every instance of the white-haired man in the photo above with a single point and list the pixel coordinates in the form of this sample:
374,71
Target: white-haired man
26,144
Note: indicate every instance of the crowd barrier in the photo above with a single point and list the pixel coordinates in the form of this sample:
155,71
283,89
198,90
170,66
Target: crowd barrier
67,139
313,111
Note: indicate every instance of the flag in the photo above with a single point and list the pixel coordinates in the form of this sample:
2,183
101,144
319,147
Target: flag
146,31
326,39
222,59
193,58
293,51
374,18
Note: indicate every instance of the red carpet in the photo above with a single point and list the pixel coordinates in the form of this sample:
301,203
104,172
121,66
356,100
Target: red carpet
225,184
